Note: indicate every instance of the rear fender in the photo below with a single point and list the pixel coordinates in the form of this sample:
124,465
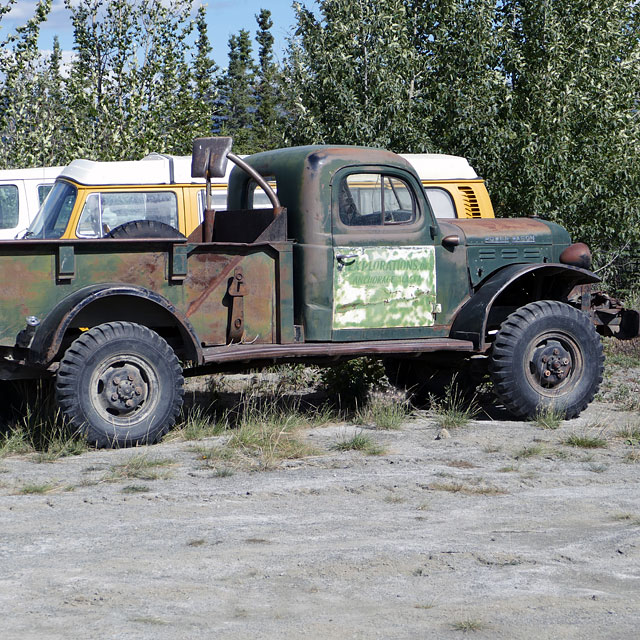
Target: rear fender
512,287
50,334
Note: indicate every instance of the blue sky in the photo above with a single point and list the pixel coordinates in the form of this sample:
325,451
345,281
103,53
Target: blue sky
225,17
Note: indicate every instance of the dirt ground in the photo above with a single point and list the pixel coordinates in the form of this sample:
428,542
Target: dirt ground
501,530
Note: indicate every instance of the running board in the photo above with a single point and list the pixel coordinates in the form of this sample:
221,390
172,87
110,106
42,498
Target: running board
249,352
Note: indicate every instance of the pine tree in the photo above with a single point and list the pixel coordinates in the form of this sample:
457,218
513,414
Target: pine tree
269,124
237,95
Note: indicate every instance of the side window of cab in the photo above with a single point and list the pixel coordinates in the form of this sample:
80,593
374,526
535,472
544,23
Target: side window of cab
375,199
103,212
441,202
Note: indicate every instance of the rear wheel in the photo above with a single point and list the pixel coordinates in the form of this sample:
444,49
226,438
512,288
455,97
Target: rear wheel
547,355
121,384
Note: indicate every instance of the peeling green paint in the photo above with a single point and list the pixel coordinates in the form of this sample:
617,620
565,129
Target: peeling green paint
384,287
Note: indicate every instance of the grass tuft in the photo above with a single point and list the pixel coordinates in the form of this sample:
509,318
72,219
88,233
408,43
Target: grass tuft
383,413
468,625
359,442
584,441
37,489
141,467
199,423
455,410
548,418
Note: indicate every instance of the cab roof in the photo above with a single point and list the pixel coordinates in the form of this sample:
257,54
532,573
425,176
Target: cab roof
158,168
34,173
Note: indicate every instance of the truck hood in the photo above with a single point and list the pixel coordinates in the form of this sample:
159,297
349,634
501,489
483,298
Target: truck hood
510,231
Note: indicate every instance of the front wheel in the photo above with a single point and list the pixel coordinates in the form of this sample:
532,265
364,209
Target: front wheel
546,355
121,384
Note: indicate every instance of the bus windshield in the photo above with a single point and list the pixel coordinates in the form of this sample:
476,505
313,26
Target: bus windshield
54,214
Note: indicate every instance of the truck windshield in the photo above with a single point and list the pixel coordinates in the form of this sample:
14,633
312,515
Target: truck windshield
53,217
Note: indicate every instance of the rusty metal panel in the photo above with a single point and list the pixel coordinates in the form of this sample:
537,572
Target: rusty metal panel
234,353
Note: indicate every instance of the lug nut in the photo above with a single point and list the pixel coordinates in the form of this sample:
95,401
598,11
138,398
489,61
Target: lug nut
114,396
545,359
565,361
116,381
130,378
547,373
555,352
138,391
129,403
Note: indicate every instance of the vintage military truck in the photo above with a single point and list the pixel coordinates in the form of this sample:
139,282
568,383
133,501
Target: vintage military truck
349,261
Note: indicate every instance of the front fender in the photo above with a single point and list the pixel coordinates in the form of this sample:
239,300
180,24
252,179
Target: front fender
49,335
470,322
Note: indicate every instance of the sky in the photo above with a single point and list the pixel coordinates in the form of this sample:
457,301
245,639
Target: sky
224,18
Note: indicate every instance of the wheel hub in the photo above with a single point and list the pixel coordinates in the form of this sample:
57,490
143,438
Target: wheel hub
123,389
552,363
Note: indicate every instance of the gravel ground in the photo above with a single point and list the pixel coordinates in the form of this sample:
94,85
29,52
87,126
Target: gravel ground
498,531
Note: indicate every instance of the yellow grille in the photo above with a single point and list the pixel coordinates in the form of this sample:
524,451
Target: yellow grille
471,206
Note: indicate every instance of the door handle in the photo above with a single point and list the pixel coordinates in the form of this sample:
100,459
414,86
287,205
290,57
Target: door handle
343,257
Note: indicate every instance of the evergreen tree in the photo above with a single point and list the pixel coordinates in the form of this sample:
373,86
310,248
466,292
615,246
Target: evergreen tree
269,124
205,91
237,95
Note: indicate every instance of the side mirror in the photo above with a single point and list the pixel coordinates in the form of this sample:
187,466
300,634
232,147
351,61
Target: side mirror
209,157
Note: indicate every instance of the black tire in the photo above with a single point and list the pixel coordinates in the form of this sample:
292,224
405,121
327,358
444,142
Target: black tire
120,384
546,355
144,229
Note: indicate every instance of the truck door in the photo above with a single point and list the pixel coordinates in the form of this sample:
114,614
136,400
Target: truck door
384,264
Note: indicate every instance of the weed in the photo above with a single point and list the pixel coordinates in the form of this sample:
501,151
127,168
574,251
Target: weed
270,435
597,468
199,423
460,464
630,434
626,397
529,452
135,488
141,467
455,409
223,472
622,353
359,442
393,499
468,625
584,441
509,469
548,418
40,425
16,441
629,518
425,605
458,487
632,456
383,413
33,489
196,543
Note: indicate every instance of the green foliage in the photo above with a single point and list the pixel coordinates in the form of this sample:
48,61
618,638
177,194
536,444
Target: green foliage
540,96
349,383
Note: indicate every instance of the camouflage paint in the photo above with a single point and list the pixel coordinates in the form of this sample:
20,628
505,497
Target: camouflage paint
384,287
